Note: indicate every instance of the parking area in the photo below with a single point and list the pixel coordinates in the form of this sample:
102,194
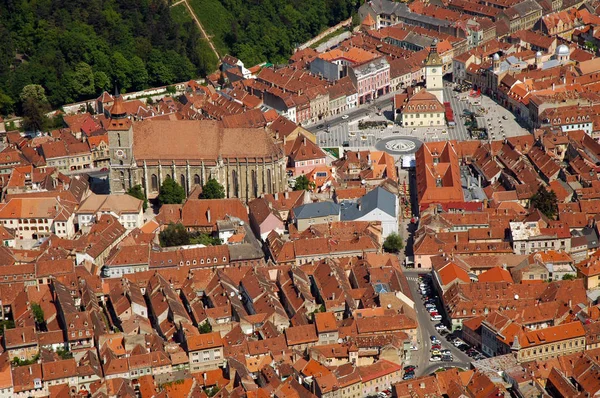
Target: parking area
438,345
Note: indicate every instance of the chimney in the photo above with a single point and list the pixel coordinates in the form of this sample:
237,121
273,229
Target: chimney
208,214
276,196
30,371
286,195
422,385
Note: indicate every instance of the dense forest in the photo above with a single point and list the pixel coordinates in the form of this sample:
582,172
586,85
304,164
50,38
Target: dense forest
77,48
268,30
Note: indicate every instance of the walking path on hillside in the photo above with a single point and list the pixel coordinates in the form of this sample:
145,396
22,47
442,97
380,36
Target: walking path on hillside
206,36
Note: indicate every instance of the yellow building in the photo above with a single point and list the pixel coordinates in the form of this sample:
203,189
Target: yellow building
423,110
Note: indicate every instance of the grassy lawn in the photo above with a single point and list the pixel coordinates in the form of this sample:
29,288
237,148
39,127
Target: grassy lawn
180,14
215,19
328,37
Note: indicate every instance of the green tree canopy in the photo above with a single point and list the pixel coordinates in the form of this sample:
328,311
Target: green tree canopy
174,235
393,243
545,201
138,192
171,192
75,49
569,277
34,106
212,190
302,183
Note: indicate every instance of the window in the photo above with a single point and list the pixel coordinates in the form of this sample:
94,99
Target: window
154,183
196,179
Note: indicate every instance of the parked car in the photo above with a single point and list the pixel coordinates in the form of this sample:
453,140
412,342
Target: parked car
345,117
409,368
436,317
435,358
408,376
432,310
434,339
447,358
436,347
440,326
446,351
429,305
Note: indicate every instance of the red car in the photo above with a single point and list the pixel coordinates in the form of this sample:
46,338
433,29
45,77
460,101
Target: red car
436,347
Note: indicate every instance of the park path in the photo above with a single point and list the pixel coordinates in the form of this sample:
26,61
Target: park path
197,21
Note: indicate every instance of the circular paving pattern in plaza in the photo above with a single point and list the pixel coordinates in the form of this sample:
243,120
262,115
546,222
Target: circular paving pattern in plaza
399,145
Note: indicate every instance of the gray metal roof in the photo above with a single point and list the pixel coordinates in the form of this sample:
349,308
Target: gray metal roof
319,209
378,198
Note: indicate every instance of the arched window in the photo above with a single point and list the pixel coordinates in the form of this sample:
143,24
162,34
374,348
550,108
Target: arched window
122,179
269,183
196,179
118,139
182,182
168,176
254,186
234,183
154,183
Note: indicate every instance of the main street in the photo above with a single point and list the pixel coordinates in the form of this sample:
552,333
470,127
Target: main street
427,329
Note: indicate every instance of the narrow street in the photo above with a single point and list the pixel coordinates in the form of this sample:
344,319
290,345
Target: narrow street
427,329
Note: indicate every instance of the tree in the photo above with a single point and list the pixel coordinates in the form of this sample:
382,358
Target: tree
302,183
205,328
6,104
212,190
138,192
205,239
174,235
545,201
38,313
569,277
393,243
35,106
171,193
33,91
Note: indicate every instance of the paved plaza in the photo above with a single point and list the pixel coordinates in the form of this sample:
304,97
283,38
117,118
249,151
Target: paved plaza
338,132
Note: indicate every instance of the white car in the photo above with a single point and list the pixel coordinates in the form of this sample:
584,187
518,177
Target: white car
436,318
435,358
345,117
439,327
428,306
432,310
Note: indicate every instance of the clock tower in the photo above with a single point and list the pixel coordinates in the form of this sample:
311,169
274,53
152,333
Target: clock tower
434,74
120,143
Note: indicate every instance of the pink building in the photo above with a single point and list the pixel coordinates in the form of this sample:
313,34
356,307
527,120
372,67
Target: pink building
303,155
371,79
